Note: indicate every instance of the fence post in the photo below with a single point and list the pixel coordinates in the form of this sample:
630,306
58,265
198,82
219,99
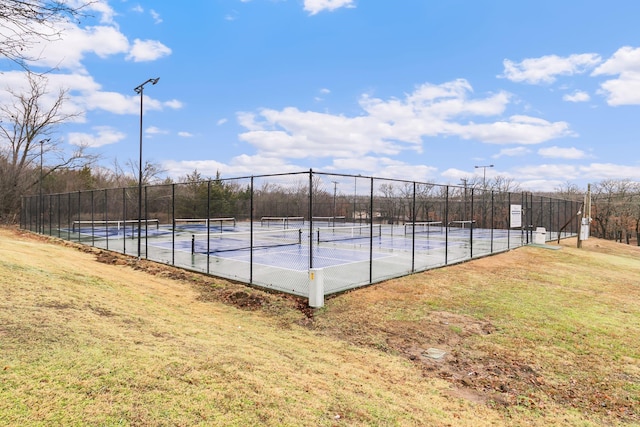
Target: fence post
471,223
310,218
173,224
493,224
251,195
413,233
93,234
208,224
316,287
371,234
446,226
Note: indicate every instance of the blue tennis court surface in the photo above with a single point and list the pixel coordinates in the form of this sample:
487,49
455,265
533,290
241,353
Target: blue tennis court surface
281,254
292,256
298,259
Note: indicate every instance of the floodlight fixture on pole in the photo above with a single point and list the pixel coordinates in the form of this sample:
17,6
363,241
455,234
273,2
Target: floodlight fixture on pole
41,213
140,90
484,174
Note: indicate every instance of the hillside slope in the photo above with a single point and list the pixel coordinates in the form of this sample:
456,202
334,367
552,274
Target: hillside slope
532,336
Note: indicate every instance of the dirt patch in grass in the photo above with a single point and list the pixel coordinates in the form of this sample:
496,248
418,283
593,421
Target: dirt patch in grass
446,323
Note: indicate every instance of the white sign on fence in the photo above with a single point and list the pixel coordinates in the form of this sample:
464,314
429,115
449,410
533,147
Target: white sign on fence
515,216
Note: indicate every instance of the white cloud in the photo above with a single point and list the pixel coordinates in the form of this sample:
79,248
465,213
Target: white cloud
577,96
388,127
317,6
622,91
86,94
547,177
625,90
547,68
517,130
101,6
156,16
69,51
173,104
242,165
512,152
562,153
17,82
221,122
599,171
626,59
383,167
147,50
104,135
455,176
322,91
541,184
75,42
154,130
548,171
184,134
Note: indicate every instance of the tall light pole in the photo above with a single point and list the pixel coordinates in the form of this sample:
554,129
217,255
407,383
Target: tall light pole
140,90
484,175
41,210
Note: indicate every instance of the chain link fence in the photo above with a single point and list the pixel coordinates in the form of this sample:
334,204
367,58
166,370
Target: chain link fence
273,230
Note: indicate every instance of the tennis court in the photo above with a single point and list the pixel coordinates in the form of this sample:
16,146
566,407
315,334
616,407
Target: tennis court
277,243
284,249
275,231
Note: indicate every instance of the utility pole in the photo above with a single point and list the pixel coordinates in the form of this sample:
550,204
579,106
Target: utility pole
335,186
585,220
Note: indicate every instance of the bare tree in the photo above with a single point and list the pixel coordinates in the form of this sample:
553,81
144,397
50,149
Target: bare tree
152,172
611,201
24,23
503,184
570,191
27,124
127,175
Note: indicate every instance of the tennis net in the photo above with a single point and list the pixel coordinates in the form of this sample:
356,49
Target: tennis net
330,221
332,234
423,227
236,241
283,221
461,225
99,224
206,222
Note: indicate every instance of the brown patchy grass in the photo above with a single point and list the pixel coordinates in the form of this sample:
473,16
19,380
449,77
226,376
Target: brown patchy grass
530,331
532,337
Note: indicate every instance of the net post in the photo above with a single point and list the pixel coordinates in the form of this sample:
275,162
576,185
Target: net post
193,244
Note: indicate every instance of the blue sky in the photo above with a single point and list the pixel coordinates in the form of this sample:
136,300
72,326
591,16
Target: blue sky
547,91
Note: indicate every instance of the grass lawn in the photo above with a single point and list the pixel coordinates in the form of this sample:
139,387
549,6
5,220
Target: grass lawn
529,337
